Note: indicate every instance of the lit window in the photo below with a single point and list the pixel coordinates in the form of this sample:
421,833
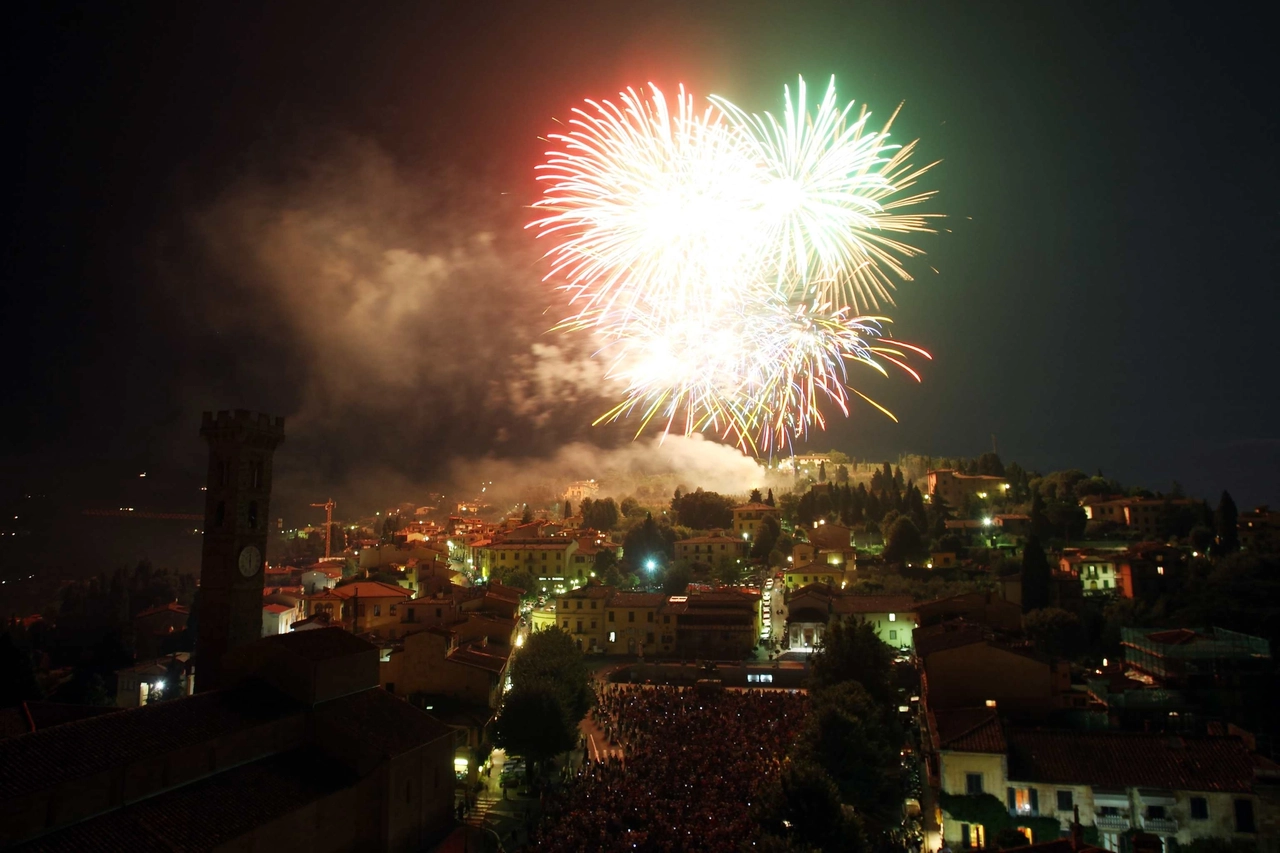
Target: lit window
893,617
613,636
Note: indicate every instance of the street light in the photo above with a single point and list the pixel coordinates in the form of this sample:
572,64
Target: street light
651,565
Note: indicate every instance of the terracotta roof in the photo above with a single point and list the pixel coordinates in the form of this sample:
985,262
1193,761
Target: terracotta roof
720,539
947,635
873,604
49,757
171,607
371,589
969,730
277,608
1129,760
321,644
591,590
488,658
755,507
504,591
637,599
35,715
208,813
379,721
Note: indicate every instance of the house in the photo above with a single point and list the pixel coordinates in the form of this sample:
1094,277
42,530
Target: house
301,749
711,548
810,610
550,560
639,623
1259,529
965,665
953,487
155,628
147,681
278,619
1179,789
748,517
980,608
581,613
437,661
723,624
363,606
1144,516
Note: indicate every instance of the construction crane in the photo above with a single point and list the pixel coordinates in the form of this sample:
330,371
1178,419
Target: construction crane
328,523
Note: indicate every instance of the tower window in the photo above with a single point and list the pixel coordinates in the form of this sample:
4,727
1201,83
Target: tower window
253,515
255,474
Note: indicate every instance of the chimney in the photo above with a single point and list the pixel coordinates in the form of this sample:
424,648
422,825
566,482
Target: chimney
1077,831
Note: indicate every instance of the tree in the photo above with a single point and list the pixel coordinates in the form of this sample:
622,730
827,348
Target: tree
699,510
568,508
551,656
990,465
766,538
755,497
648,541
599,515
822,472
1039,522
1054,631
769,498
727,571
1067,517
526,517
521,579
904,542
838,458
533,722
842,474
1225,521
677,578
851,651
629,507
1036,576
846,734
800,808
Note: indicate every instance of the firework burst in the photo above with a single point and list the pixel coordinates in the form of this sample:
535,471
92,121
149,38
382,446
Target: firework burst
722,257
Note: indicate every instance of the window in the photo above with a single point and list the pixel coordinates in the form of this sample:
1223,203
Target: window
593,605
1155,813
893,617
1065,802
613,636
579,626
255,474
579,604
393,610
1244,816
253,515
377,610
439,612
650,615
631,616
666,619
566,624
593,624
973,783
648,638
1024,801
1199,808
610,615
972,835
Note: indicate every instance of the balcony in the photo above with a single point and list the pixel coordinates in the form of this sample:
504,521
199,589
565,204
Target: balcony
1160,826
1112,823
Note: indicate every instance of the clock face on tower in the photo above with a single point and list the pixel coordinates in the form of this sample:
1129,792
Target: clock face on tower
250,560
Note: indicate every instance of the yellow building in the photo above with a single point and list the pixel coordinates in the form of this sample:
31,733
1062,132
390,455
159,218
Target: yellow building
438,662
708,549
581,613
1180,789
639,623
747,519
550,560
361,607
808,564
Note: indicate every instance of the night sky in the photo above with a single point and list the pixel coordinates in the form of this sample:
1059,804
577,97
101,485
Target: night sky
314,210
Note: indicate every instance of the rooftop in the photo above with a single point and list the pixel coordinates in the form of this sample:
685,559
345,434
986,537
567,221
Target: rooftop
1129,760
968,730
321,644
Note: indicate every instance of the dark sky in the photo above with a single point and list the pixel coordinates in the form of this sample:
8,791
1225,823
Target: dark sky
221,205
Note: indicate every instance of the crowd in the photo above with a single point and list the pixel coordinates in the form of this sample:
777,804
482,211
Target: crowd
692,761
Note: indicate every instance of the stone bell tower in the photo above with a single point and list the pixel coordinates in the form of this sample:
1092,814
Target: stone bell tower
236,515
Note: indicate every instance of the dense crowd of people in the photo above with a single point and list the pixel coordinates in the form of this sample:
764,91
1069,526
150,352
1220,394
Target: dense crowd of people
692,761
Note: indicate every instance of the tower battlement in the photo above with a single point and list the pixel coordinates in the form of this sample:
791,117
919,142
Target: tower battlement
241,419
